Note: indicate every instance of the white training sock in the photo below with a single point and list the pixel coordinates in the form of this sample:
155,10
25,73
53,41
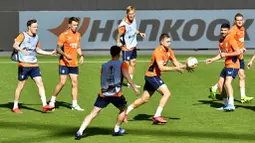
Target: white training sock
116,128
215,87
82,128
53,100
225,100
242,91
43,98
158,112
15,105
231,100
130,108
131,76
74,103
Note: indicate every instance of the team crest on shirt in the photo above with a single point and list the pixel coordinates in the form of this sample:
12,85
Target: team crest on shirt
74,45
241,39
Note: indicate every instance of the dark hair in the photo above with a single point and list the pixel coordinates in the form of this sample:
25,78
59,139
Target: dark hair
225,25
238,15
115,50
71,19
30,22
163,36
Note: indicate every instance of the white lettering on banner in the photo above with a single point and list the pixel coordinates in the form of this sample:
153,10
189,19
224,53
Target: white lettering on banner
189,29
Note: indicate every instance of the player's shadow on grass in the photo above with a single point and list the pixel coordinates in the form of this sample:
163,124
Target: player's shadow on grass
146,117
218,105
212,103
63,104
9,105
56,132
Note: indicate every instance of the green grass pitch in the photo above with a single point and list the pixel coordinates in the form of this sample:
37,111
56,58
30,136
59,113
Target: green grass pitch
192,116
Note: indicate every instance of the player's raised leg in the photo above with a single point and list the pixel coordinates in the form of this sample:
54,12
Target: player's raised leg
138,102
87,120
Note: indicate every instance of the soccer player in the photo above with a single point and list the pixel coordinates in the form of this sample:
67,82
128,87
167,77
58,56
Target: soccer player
160,57
127,37
112,73
68,46
27,44
228,49
238,31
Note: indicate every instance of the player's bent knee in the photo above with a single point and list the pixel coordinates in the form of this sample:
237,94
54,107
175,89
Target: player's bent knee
133,62
228,84
62,83
145,99
74,84
242,76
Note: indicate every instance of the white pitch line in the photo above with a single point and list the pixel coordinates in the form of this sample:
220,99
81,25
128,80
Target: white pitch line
95,62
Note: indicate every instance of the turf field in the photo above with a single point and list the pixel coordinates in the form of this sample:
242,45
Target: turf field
192,116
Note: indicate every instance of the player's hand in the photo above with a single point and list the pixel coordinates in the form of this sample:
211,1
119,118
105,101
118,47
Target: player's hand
137,91
53,53
68,57
223,55
249,65
208,61
24,52
189,69
243,50
180,69
81,60
142,35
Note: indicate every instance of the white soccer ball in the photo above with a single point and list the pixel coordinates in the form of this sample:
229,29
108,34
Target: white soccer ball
192,62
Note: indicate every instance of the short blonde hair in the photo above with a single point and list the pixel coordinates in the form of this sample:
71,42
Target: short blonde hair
129,8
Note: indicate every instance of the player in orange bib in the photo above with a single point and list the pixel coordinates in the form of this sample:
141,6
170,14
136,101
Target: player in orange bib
160,57
238,32
228,49
28,45
68,46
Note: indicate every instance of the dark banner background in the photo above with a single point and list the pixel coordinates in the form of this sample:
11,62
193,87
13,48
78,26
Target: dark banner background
9,9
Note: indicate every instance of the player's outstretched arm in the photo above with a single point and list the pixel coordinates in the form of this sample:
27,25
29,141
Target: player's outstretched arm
167,68
210,60
140,34
42,52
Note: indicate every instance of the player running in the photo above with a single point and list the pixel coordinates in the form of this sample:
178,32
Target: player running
126,37
238,31
112,74
160,57
27,44
68,46
228,49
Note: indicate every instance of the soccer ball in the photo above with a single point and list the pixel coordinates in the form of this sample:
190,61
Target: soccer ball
191,62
